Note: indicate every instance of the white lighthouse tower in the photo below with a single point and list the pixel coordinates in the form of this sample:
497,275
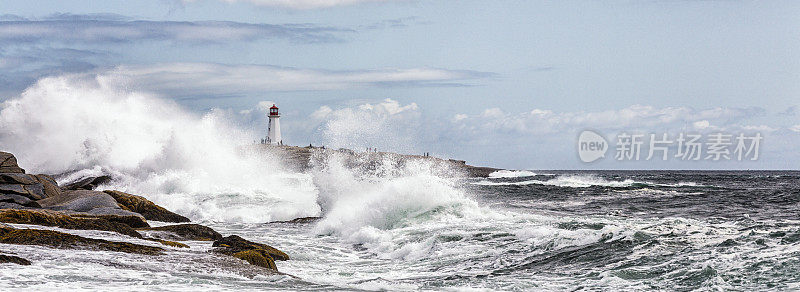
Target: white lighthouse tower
274,133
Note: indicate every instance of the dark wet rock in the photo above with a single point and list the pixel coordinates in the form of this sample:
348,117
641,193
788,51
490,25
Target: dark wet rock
34,187
33,191
254,253
59,219
257,257
479,171
145,207
79,201
12,189
169,243
89,183
9,205
62,240
108,211
19,200
301,220
18,178
14,260
184,232
8,163
90,202
234,243
134,221
49,185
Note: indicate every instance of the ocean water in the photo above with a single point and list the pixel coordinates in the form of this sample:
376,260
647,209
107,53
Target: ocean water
557,230
624,230
386,223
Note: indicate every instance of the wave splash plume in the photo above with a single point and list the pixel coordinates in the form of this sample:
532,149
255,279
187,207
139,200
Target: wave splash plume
189,163
393,223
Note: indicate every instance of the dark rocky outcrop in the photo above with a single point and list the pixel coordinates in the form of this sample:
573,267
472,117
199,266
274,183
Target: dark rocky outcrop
234,243
19,190
301,158
8,163
479,171
169,243
18,200
89,183
134,221
12,205
90,202
49,185
254,253
38,200
145,207
58,219
257,257
14,260
184,232
22,184
36,187
62,240
80,222
301,220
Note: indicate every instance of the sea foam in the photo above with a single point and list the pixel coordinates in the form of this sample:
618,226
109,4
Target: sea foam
572,181
192,164
511,173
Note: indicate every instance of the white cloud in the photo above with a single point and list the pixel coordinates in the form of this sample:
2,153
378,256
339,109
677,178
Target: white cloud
636,117
303,4
700,125
321,113
111,29
758,128
208,80
386,125
795,128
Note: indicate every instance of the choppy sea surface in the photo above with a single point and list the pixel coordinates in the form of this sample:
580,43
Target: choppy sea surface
386,223
517,230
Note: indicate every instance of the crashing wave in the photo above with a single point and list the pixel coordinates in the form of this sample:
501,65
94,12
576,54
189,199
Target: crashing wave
511,174
572,181
189,163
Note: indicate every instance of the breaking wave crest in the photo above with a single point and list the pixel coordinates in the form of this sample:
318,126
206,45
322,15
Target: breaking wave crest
365,199
198,165
189,163
387,222
572,181
511,173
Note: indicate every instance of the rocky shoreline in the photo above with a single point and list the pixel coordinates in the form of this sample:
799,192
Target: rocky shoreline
36,211
300,158
30,204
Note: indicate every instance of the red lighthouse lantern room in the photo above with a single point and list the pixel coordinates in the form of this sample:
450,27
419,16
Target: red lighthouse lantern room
273,111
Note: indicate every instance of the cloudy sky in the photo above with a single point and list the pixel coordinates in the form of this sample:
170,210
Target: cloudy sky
500,83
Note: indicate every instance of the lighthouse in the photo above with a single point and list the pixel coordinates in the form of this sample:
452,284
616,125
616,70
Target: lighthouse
274,132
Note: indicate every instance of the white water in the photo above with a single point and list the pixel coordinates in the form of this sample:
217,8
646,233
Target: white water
188,163
511,173
572,180
385,225
195,165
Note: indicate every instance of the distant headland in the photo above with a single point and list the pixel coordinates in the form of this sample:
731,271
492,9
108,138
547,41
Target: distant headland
299,158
